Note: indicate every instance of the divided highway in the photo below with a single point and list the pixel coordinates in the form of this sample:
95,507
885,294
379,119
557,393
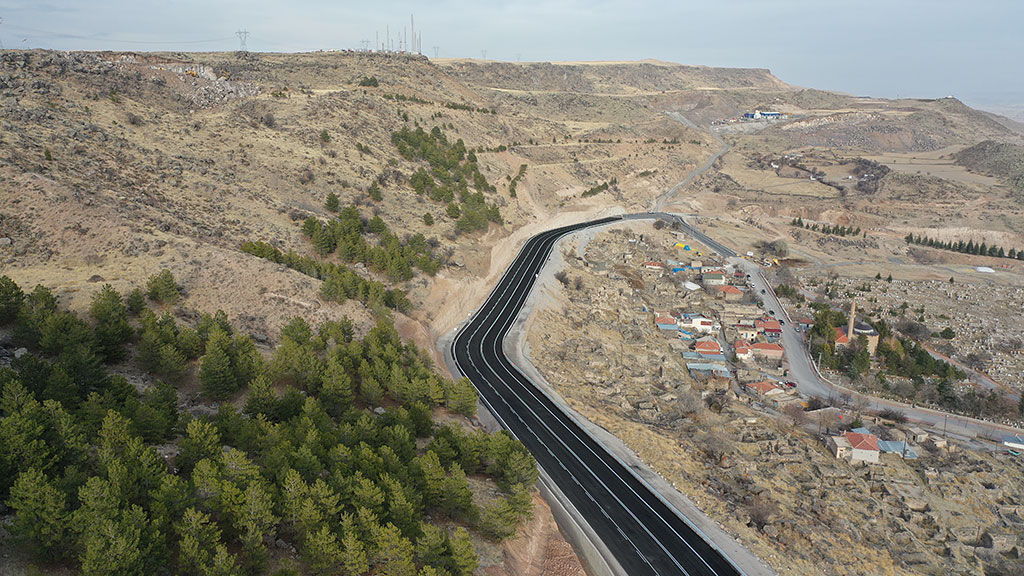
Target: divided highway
644,533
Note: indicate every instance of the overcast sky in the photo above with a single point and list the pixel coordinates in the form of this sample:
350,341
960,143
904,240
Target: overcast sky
921,48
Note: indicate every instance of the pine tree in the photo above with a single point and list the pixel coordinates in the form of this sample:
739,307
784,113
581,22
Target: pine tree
336,388
135,301
428,219
983,250
462,397
11,298
393,553
40,514
112,329
262,398
224,564
254,521
322,551
458,499
431,546
215,374
354,562
323,241
198,538
375,192
464,560
202,440
161,287
1012,254
310,226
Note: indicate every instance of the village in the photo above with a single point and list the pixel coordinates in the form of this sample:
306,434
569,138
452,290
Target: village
984,337
656,339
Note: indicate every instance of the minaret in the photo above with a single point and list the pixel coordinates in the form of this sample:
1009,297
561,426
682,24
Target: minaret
853,316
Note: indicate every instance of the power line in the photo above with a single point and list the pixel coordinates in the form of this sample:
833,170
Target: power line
436,48
242,36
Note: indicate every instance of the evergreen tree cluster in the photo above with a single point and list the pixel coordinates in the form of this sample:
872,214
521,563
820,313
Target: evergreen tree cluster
833,229
453,170
968,247
468,108
340,282
346,236
898,356
599,188
355,490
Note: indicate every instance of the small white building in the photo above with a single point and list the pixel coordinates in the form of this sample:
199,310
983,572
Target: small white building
855,447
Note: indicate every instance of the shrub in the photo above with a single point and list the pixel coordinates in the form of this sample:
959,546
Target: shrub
894,415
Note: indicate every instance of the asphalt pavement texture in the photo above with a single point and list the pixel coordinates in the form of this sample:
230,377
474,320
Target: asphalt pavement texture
644,533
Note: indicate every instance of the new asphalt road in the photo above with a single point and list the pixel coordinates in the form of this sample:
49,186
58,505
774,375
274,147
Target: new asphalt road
644,533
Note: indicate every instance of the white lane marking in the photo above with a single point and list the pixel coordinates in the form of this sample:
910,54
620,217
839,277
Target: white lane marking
523,381
574,478
562,442
532,389
499,354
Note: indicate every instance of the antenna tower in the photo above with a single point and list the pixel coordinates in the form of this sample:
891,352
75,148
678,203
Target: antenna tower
242,36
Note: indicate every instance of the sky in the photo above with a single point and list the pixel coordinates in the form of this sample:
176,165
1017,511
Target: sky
909,48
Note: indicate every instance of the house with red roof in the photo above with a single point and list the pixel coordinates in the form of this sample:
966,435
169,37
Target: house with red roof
708,347
768,350
654,265
855,447
765,388
770,327
729,293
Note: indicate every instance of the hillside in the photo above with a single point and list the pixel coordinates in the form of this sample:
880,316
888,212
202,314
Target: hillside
366,186
999,159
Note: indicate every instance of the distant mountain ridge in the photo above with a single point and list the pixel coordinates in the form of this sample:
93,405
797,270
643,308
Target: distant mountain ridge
608,77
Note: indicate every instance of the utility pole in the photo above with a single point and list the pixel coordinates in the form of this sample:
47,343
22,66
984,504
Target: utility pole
484,54
1,39
436,48
242,36
519,56
365,44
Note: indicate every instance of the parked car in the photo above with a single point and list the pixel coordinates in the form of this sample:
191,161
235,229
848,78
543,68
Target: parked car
763,291
772,312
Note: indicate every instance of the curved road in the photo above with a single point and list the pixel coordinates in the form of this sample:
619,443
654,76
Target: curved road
660,201
646,535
